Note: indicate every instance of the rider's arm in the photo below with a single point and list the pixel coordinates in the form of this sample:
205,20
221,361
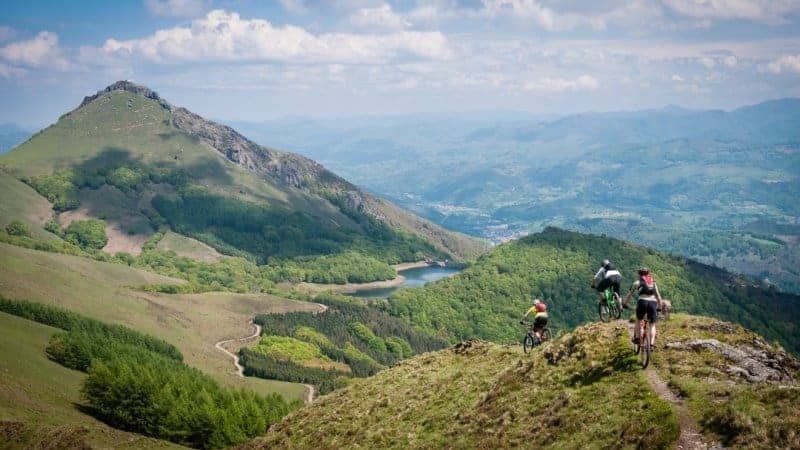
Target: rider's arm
600,273
658,295
528,312
628,296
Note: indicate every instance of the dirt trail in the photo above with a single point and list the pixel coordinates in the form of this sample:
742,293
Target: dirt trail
240,370
219,345
690,438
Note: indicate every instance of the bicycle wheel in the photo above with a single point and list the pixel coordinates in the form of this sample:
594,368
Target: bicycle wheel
602,309
617,306
644,357
546,335
527,343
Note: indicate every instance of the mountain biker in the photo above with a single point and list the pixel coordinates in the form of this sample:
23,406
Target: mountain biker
607,277
539,318
648,304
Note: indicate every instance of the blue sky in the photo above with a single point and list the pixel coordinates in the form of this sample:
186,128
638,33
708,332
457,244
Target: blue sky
254,60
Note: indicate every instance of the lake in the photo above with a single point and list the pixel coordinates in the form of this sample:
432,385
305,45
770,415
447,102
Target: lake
414,277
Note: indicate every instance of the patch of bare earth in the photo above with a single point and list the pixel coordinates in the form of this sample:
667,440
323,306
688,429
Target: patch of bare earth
127,227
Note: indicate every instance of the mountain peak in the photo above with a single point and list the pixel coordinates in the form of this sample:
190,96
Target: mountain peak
129,86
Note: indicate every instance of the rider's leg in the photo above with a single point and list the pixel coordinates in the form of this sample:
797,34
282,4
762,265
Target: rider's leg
653,316
652,335
640,313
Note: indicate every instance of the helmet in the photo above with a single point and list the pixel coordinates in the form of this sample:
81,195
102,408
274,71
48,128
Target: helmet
643,270
606,263
536,301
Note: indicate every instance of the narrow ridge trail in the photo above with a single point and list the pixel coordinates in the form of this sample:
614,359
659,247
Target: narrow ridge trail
690,437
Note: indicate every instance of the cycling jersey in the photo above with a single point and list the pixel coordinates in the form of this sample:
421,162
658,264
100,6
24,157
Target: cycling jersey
646,290
608,272
538,314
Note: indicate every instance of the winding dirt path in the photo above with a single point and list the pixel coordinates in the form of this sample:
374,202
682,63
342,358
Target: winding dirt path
240,370
219,345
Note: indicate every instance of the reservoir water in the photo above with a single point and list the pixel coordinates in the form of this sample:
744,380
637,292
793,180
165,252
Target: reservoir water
414,277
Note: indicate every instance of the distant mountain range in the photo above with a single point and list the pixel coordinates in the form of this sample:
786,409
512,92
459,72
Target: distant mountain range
716,185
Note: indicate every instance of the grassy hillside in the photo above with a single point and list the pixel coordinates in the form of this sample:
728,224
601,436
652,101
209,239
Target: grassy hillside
110,156
488,298
188,247
39,398
582,390
192,322
736,384
21,202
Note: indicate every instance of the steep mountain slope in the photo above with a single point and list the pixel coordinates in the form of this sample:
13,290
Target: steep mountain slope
487,299
584,389
126,138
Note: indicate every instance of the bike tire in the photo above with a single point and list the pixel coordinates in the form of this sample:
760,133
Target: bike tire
616,313
546,335
645,356
602,310
527,343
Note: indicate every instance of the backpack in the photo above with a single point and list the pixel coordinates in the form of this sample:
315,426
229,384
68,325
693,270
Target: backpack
646,285
541,307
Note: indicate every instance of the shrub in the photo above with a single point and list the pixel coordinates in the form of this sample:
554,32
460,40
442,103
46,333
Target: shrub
87,233
17,228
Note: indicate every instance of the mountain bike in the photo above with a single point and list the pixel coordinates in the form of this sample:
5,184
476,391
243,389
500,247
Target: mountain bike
609,307
642,346
531,340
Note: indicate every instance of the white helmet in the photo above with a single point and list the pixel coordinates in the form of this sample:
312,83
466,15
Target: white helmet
536,301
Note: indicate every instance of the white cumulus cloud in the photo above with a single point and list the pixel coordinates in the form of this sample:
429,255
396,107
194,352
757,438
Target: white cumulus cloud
223,36
41,51
379,18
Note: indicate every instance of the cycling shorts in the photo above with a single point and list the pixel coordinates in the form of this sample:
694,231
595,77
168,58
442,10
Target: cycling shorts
647,308
611,282
539,322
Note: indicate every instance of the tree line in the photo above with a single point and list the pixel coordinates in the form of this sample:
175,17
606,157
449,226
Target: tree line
139,383
487,299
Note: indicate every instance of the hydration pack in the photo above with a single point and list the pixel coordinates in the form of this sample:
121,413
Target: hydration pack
541,307
646,285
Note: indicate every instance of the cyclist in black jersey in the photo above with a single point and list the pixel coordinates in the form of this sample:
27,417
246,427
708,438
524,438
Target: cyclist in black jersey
648,304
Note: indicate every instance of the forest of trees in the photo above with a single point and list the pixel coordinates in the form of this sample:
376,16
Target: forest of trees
138,383
266,232
350,331
293,246
488,298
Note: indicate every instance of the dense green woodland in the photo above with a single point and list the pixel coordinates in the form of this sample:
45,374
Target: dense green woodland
138,383
488,298
297,247
350,331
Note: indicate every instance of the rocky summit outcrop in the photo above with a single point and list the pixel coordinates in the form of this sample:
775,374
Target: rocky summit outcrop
756,362
129,86
286,168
